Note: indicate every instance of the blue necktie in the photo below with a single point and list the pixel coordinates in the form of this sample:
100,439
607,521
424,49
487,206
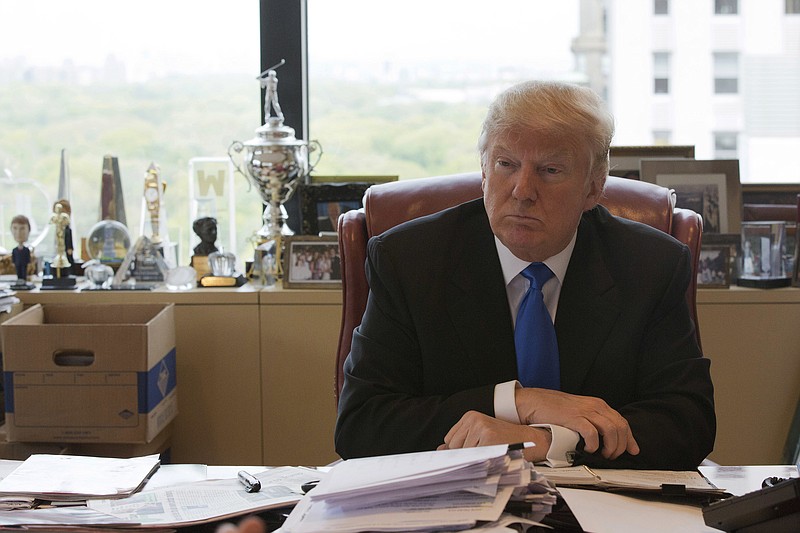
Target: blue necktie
535,336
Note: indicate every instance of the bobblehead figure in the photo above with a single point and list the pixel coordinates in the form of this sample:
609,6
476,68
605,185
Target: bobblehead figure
21,254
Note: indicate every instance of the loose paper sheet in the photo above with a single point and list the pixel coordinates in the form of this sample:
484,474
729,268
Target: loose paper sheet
605,512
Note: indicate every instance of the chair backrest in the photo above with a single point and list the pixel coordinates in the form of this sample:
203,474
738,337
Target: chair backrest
389,204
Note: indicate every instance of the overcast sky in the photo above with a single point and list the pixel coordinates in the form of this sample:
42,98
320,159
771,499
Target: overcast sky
213,36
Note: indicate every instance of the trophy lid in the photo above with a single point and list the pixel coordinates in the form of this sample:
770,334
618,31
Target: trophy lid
274,132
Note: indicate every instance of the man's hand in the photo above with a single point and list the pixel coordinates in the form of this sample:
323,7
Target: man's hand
477,429
251,524
591,417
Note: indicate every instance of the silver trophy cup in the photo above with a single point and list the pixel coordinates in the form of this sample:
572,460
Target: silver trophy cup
275,162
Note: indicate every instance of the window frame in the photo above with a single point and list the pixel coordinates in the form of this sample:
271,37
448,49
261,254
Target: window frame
721,6
724,83
657,71
284,35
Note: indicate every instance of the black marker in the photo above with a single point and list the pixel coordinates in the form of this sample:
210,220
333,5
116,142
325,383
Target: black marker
250,482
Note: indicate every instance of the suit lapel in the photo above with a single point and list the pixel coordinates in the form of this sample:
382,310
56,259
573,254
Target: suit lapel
587,308
478,306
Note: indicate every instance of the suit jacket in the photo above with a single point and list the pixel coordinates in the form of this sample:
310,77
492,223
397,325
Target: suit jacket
437,335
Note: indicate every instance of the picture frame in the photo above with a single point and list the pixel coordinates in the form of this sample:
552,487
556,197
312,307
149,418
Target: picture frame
770,193
713,269
708,187
312,262
624,160
314,179
731,241
796,270
322,203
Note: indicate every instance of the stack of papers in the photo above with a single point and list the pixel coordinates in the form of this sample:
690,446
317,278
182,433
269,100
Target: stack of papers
64,478
664,481
449,489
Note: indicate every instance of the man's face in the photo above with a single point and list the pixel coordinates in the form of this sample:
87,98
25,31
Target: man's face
20,232
536,186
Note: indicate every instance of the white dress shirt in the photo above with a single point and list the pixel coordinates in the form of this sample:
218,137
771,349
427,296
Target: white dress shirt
563,440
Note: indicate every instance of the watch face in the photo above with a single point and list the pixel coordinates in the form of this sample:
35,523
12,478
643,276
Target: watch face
151,194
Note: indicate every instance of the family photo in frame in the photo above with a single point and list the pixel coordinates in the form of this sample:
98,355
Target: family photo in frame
713,268
312,262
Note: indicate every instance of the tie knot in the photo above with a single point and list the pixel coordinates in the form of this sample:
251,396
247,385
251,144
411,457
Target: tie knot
537,274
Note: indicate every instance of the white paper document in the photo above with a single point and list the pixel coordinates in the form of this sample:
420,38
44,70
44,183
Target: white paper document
635,480
424,491
604,512
206,501
75,477
458,510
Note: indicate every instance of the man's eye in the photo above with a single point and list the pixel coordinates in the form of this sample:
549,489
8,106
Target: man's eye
502,163
552,170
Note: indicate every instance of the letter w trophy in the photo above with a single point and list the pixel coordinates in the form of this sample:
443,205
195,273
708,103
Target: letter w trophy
275,162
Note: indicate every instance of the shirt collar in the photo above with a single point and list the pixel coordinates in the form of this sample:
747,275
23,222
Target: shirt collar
513,265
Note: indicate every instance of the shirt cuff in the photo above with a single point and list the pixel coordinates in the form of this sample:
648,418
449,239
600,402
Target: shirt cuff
562,447
505,405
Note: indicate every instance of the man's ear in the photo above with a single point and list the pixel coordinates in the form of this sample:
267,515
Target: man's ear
595,191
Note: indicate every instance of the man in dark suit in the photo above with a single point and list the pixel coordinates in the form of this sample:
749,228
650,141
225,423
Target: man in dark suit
433,363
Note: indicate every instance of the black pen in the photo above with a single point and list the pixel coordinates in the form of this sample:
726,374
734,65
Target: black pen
250,482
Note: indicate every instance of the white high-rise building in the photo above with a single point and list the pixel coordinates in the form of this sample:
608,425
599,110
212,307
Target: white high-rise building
722,75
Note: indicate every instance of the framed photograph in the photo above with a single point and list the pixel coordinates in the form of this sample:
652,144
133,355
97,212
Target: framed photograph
312,263
625,159
322,203
713,269
796,264
731,241
710,188
770,193
352,179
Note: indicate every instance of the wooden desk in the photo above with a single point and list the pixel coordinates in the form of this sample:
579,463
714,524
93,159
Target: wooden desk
299,336
752,337
256,367
218,365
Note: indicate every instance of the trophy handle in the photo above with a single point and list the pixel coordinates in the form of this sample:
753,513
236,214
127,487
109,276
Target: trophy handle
238,146
314,146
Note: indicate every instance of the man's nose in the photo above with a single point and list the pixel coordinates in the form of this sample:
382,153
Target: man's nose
526,186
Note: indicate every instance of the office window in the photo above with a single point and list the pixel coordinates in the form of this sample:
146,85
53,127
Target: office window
726,7
401,88
792,7
726,145
661,72
726,72
145,81
662,137
661,7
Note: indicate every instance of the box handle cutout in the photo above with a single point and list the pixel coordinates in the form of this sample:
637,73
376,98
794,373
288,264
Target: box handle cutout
73,357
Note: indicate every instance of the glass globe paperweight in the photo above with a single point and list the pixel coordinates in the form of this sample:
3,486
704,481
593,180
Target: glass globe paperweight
99,275
108,242
181,278
222,263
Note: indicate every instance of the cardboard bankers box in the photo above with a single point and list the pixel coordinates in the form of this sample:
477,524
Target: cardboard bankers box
89,373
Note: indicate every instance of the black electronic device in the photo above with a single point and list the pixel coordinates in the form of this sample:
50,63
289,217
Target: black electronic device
773,509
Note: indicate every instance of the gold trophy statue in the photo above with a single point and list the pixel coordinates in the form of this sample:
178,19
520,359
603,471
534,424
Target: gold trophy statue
153,189
61,278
